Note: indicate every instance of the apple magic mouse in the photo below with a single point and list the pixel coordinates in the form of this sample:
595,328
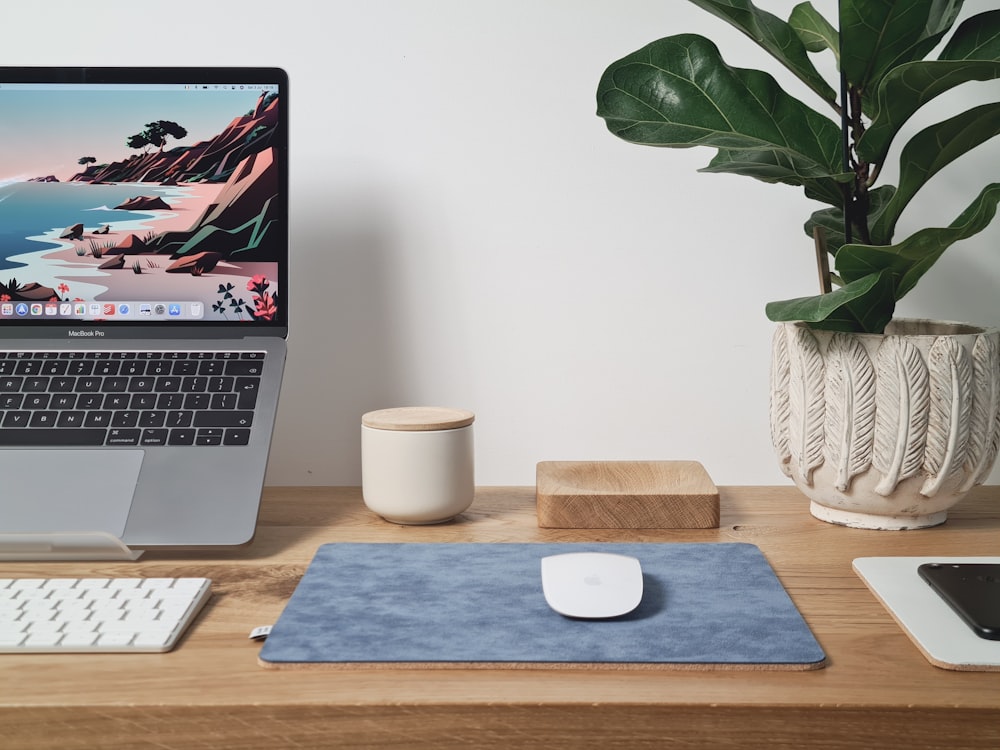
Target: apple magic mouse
592,584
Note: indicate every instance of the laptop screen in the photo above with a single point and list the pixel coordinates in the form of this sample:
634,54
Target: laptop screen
132,197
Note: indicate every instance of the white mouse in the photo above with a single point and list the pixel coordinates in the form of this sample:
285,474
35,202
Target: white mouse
592,584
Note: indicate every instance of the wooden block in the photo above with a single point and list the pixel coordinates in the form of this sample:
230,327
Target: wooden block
625,495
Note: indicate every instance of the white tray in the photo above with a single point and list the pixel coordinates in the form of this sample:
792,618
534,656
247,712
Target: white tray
931,624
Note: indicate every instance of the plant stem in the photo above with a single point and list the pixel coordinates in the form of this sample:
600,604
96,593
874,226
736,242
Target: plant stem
822,260
845,148
861,202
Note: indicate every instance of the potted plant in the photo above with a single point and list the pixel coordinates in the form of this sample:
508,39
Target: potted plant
883,423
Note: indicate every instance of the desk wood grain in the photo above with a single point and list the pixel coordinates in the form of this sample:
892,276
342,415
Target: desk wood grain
877,690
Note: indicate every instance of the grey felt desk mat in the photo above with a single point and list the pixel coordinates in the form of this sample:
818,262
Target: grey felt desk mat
467,605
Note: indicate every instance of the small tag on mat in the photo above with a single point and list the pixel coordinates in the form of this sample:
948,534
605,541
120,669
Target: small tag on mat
260,633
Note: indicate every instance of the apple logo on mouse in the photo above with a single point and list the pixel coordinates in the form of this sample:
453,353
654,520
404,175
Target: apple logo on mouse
592,580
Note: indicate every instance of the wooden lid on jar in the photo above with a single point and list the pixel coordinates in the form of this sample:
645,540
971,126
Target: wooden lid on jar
418,419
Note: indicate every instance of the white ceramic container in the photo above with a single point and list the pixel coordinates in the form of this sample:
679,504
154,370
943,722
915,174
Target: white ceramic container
418,463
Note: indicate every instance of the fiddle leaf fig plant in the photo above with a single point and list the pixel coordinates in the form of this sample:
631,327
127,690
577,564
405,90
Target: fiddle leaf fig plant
678,92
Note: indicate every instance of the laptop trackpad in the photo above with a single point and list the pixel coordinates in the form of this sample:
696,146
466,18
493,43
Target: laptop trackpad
69,490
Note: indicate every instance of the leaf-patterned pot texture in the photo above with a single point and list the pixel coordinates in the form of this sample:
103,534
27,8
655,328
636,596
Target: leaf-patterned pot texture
886,431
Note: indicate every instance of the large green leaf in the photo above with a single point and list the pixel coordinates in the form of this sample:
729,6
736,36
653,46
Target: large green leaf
816,33
906,88
976,38
771,166
865,304
972,54
931,150
878,35
910,259
678,92
775,36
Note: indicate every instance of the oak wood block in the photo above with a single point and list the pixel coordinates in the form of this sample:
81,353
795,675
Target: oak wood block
625,495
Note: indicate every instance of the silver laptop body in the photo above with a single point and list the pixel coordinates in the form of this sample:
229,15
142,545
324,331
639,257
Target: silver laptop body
143,246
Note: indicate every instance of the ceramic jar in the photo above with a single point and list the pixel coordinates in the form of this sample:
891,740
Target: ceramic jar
417,463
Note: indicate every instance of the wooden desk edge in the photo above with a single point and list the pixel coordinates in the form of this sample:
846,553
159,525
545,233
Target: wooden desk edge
877,690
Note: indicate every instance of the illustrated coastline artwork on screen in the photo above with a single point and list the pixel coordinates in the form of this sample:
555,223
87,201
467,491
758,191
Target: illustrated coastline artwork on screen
152,203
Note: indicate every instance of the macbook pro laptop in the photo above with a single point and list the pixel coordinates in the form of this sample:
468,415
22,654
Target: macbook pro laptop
143,304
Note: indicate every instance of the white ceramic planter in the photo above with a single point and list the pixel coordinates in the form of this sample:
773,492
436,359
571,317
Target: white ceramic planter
886,431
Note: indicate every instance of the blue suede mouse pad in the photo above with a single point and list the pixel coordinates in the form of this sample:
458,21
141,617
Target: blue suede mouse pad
481,605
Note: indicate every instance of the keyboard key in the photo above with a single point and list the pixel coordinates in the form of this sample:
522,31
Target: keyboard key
235,436
55,367
43,418
36,385
124,436
16,419
89,401
45,437
11,385
125,419
152,418
113,401
237,418
244,367
223,401
80,367
152,640
179,418
70,419
221,384
211,367
35,401
116,640
115,384
141,384
247,389
181,436
154,437
197,401
211,436
63,401
168,384
194,384
143,401
167,401
184,367
78,641
98,419
39,641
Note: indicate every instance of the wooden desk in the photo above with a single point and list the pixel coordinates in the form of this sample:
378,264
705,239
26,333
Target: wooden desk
878,691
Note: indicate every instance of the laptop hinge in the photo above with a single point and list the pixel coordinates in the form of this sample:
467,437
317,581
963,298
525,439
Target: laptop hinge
77,545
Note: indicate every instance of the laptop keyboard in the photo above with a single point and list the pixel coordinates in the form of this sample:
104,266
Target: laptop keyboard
148,398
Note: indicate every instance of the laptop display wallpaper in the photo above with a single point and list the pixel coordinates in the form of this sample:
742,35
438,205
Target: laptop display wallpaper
140,202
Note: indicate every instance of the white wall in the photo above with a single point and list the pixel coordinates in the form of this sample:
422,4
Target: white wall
466,232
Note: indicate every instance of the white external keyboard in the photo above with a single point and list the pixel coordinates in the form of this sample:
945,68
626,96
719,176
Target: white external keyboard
126,615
